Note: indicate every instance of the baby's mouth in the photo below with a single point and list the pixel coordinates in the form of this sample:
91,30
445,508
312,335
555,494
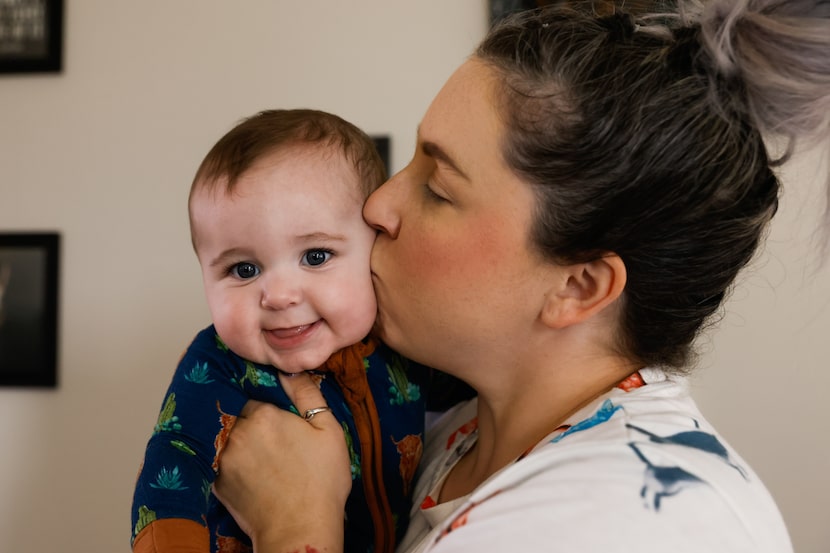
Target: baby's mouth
289,332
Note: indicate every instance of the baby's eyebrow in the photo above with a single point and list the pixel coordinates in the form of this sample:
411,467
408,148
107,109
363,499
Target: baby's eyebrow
321,237
232,253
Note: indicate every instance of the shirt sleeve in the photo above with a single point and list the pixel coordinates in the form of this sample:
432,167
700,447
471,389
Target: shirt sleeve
197,413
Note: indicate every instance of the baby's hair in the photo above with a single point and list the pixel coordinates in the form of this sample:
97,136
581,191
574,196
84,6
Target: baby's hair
269,131
643,133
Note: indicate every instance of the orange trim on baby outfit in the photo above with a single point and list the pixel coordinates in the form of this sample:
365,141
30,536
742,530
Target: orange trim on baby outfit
350,373
172,534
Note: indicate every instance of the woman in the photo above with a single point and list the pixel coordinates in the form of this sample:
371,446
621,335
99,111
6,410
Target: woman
584,191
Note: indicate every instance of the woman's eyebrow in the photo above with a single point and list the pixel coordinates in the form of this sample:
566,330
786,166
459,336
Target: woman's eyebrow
437,153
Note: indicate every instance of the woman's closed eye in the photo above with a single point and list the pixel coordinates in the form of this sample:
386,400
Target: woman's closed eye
317,257
244,270
432,195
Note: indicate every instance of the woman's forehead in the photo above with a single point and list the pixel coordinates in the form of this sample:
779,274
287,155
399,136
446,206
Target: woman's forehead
462,124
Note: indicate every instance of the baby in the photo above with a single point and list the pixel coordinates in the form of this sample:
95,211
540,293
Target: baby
276,222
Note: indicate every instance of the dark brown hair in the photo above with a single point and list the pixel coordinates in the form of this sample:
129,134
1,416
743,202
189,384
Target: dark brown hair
642,136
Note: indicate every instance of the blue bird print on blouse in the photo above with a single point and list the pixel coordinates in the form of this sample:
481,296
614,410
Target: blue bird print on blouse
665,481
605,412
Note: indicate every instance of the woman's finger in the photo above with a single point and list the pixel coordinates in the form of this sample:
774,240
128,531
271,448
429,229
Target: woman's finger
307,398
271,455
249,408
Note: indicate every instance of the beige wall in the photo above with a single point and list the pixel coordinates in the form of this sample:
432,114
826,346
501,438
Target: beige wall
104,153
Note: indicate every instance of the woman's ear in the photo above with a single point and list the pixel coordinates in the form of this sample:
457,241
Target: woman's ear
584,290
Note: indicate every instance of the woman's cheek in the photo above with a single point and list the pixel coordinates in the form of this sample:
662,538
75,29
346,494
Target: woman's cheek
461,260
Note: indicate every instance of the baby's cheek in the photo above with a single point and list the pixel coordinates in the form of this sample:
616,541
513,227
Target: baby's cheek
234,328
361,312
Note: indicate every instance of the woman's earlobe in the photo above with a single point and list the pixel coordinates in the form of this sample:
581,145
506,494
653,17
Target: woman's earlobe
587,289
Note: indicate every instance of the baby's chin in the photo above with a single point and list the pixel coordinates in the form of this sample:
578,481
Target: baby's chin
300,363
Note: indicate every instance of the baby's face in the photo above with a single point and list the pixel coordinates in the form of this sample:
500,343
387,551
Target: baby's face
285,259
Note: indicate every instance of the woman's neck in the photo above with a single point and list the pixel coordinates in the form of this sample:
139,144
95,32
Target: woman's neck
517,416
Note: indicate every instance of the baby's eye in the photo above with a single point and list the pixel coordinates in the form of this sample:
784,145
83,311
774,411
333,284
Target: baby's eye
244,270
316,257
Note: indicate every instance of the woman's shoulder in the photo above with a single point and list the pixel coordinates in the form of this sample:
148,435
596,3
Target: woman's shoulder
581,505
633,468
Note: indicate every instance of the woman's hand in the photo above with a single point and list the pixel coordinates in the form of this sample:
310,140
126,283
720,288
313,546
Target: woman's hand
284,479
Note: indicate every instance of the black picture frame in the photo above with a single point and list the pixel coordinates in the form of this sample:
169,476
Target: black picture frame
29,264
382,143
499,9
31,36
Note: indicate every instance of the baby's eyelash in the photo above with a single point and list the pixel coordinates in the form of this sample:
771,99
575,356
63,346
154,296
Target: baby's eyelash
233,265
327,253
232,270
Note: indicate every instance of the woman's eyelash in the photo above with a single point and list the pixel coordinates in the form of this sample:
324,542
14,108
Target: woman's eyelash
431,194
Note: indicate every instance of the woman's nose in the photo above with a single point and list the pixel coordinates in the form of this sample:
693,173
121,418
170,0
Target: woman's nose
279,292
382,208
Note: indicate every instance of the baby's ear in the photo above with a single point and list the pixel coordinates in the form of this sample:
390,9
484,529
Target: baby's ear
584,290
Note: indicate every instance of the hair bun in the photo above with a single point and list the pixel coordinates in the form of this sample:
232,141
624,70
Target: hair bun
781,52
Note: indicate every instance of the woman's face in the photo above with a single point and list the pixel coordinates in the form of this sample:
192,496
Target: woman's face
459,286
